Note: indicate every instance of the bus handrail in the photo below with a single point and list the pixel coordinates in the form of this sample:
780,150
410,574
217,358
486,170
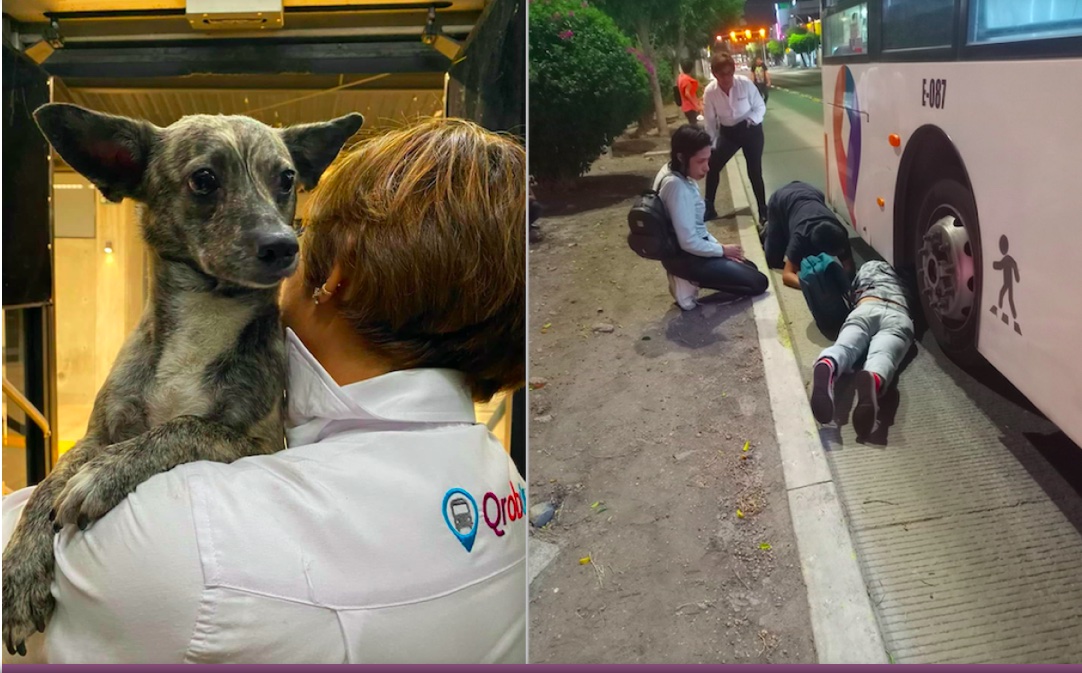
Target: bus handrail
866,116
27,406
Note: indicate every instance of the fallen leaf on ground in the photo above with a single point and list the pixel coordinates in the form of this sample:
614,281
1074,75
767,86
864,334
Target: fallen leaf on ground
746,445
765,546
584,560
739,514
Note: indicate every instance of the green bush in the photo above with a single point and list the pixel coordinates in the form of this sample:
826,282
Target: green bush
586,86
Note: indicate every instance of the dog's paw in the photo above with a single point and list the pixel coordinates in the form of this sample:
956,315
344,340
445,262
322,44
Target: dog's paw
28,600
96,488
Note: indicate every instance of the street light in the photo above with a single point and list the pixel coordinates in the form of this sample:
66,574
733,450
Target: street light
732,35
747,33
762,33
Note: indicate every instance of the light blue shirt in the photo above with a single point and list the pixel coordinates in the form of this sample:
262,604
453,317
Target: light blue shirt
686,209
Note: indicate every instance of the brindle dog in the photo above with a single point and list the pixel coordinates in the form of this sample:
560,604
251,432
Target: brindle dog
203,375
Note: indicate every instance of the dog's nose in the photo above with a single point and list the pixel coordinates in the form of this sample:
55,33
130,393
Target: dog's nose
277,250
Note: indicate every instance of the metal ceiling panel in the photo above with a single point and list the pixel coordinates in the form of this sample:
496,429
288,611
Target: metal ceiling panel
382,109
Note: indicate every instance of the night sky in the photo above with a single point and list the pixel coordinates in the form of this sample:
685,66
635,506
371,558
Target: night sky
759,12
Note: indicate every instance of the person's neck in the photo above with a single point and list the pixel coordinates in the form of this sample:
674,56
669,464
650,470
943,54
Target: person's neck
344,355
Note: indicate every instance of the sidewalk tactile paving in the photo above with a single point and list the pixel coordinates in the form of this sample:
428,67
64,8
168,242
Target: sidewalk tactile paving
966,558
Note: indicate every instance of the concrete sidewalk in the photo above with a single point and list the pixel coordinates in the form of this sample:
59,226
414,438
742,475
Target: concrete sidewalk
651,428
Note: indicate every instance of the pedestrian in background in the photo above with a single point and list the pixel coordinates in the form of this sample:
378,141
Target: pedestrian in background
733,111
761,76
688,86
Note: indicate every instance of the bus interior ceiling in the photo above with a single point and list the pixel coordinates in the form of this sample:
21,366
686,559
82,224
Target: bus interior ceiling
144,59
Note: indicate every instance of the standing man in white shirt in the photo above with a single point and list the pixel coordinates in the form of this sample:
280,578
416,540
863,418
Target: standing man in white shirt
733,110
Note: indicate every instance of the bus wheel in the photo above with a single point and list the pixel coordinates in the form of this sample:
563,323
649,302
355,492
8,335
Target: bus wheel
948,261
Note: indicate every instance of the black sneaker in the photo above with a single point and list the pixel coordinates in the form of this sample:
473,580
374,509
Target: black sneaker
710,214
822,397
866,413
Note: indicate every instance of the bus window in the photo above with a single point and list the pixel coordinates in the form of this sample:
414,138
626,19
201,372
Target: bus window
1019,20
846,32
911,24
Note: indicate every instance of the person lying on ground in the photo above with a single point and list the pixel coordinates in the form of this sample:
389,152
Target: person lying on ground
800,223
879,326
702,260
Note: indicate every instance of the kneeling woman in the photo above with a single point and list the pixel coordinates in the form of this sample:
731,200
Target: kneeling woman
702,261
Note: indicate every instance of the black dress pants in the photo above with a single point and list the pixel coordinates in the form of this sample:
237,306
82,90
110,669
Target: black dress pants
718,273
750,140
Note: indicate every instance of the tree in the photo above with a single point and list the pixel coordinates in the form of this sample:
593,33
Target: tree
586,86
639,18
701,20
776,49
803,44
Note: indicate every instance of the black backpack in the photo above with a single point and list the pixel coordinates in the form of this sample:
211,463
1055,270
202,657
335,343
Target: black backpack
676,94
651,234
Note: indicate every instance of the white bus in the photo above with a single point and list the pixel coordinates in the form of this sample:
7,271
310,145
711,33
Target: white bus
953,133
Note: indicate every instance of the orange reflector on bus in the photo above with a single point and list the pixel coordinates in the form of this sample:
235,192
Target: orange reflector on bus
895,140
880,201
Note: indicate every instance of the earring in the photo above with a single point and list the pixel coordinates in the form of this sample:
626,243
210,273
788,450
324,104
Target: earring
321,290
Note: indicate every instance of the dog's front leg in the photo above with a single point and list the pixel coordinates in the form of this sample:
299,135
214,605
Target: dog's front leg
117,470
28,557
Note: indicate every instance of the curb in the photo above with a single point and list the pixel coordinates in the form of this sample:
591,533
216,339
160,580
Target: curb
844,625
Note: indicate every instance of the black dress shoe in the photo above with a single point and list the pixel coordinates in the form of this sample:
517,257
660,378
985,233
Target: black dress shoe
710,214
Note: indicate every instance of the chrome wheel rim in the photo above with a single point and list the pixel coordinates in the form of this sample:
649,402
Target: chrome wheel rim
947,268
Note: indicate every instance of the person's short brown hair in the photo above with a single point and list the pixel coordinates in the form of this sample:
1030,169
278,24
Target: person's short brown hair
428,225
722,61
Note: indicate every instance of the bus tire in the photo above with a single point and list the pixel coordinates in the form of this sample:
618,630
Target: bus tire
948,267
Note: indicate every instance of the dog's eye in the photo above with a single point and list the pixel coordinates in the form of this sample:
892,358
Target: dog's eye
285,182
203,182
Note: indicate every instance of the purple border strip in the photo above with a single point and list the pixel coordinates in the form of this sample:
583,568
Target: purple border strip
640,668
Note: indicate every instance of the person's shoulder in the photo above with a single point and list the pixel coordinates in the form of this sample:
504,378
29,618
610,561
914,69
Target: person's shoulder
711,86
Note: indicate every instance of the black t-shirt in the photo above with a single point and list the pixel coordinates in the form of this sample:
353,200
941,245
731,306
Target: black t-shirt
801,206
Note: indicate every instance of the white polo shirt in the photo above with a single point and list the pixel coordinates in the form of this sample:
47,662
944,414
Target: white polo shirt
742,103
391,530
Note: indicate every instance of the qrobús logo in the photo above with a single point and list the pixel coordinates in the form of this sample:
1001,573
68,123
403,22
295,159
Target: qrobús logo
847,155
463,517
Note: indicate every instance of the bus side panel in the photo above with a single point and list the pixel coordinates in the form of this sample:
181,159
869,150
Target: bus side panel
861,165
1015,126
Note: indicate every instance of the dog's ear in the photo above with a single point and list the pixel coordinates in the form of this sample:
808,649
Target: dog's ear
314,146
112,152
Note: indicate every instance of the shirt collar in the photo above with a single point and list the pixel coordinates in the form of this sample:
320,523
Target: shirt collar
437,396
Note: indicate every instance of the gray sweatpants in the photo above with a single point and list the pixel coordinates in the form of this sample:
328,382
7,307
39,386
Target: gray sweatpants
883,330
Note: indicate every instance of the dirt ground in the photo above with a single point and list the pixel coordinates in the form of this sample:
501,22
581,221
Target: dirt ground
639,417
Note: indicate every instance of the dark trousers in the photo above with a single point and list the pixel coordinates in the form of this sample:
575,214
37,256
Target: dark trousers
718,273
692,116
775,237
732,138
764,90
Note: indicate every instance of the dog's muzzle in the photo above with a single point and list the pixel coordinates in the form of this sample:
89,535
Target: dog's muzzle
277,254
